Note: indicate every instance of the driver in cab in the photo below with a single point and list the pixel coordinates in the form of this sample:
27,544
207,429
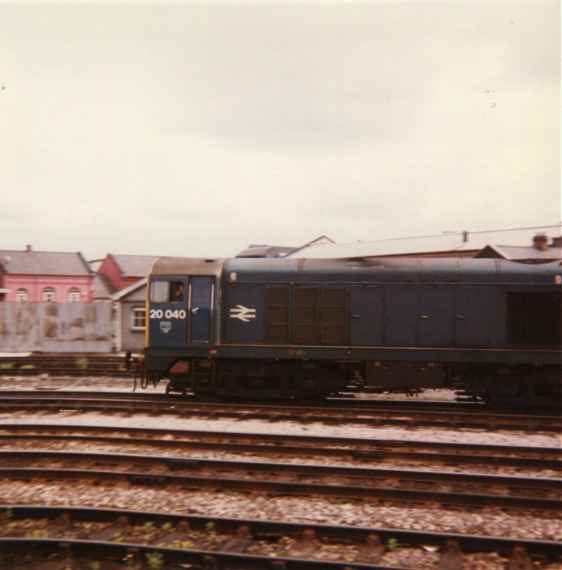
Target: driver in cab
177,293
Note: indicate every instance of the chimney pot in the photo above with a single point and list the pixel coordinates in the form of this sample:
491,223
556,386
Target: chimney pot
540,242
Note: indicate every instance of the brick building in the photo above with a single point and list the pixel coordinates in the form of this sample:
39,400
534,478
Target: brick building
44,276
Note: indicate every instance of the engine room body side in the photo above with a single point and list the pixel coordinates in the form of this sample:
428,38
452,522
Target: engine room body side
440,303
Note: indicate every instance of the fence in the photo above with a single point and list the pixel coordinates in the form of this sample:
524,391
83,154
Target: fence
56,327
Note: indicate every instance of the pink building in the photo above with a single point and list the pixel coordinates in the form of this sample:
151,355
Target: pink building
44,277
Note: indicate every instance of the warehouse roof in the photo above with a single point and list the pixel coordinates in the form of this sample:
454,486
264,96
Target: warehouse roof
30,262
446,242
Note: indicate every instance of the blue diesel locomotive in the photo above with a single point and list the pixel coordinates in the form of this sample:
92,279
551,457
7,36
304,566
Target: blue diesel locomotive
299,328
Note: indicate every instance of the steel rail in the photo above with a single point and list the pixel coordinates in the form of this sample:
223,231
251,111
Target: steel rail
174,462
274,530
367,445
328,403
227,482
354,455
379,417
350,404
211,560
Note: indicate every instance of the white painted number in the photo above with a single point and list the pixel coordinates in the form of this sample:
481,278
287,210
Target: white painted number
168,313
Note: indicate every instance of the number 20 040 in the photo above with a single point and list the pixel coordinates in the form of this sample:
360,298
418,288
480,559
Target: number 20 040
168,314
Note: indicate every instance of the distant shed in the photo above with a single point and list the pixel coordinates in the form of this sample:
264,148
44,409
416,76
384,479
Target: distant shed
130,317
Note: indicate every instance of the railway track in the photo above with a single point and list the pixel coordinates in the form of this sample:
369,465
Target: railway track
75,364
371,413
388,485
356,450
233,543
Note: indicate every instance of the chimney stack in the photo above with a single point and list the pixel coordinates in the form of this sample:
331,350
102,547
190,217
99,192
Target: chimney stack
540,242
28,248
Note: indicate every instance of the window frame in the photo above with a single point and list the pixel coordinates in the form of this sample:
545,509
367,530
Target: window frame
162,291
49,295
22,295
135,311
71,295
159,291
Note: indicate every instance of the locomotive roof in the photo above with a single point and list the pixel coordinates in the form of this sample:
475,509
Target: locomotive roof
187,266
368,270
385,270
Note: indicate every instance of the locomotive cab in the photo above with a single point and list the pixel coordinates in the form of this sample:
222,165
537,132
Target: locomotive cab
182,320
180,311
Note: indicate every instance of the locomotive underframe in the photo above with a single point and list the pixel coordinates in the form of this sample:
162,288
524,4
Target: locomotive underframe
317,371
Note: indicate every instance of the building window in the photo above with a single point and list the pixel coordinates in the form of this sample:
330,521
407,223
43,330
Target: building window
22,296
139,319
74,295
49,295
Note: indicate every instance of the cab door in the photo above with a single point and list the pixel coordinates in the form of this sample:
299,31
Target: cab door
201,297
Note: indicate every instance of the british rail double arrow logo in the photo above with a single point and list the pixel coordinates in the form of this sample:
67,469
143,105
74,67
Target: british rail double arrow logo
244,314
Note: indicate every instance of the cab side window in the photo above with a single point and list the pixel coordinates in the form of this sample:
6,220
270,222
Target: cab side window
167,292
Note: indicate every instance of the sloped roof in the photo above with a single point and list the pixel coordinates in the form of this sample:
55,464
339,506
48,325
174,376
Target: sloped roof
266,251
101,288
514,253
134,265
18,262
254,250
130,289
447,242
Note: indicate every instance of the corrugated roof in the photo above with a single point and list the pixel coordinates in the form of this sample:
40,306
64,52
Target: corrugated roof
424,244
134,265
17,262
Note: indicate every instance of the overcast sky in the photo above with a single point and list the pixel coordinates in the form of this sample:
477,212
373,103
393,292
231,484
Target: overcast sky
196,129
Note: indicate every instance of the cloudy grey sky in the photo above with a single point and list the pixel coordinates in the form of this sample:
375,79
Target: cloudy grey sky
195,129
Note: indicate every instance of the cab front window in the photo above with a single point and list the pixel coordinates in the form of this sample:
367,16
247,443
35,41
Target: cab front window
160,291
